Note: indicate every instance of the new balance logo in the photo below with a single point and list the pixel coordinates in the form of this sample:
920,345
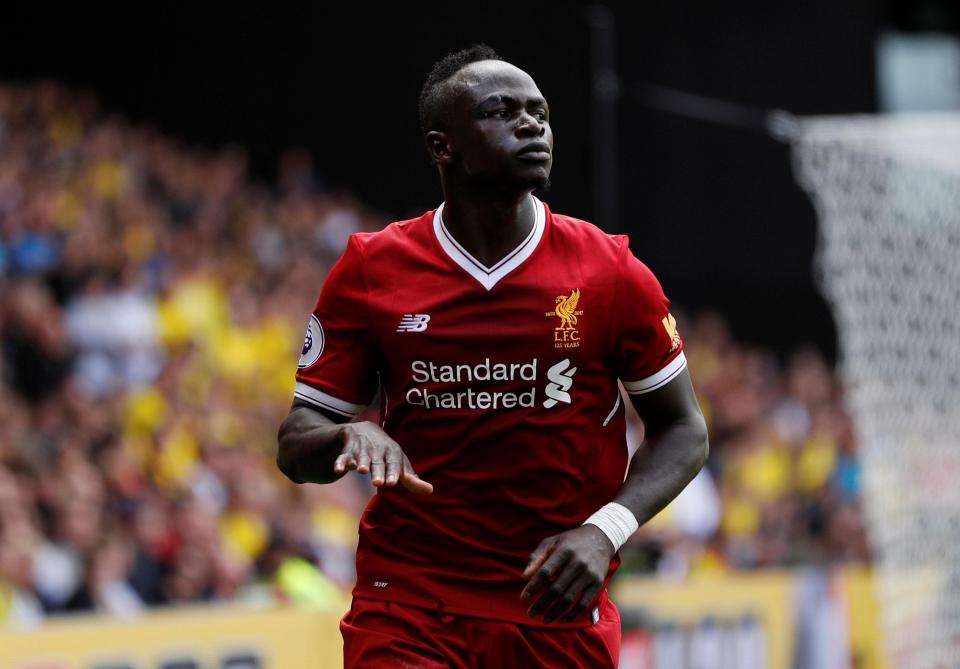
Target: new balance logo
413,323
561,380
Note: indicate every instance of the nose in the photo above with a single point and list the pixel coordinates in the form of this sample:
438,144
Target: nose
529,125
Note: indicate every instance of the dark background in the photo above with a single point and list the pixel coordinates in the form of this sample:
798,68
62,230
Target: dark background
713,209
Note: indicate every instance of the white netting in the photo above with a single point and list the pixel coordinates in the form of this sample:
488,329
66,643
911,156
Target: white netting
887,195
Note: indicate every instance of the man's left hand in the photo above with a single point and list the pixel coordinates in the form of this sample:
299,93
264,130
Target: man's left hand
567,570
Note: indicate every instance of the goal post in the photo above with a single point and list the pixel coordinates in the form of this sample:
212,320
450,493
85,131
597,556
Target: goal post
886,190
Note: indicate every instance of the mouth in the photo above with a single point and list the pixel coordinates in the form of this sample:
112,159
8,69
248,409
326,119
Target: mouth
535,151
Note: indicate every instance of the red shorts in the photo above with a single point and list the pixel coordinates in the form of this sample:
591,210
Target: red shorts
387,634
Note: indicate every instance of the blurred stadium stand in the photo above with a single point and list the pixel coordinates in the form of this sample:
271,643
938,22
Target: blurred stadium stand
151,307
153,294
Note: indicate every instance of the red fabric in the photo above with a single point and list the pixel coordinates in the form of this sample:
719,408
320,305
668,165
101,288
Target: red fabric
387,634
504,478
641,343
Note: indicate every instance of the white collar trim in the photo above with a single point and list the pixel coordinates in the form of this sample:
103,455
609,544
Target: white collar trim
488,277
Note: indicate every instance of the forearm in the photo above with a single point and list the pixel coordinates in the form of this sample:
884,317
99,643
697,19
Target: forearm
666,462
308,444
577,561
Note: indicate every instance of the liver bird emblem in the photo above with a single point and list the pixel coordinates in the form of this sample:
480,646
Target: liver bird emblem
566,308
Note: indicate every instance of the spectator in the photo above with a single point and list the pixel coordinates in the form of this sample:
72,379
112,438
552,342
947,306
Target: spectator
150,297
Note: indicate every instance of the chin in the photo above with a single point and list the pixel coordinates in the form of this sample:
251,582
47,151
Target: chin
543,186
539,181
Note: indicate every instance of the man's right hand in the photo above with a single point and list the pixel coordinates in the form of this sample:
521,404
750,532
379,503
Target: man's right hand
367,448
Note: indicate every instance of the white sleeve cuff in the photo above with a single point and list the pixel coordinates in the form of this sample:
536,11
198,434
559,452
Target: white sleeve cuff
324,401
661,378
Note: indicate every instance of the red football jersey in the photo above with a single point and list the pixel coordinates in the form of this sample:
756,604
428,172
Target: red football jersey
500,385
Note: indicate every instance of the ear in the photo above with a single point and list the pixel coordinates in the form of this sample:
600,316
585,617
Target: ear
438,144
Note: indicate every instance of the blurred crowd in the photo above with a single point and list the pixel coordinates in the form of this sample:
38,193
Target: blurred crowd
782,485
152,307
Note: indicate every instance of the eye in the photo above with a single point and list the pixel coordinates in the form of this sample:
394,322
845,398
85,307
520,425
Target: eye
497,113
541,114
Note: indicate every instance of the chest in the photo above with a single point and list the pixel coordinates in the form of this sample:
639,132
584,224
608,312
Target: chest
452,321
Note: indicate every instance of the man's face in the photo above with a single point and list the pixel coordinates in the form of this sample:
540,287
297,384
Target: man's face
499,130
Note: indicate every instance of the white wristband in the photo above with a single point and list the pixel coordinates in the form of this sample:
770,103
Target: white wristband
616,521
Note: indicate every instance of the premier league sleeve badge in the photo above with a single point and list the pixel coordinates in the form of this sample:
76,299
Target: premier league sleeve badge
312,344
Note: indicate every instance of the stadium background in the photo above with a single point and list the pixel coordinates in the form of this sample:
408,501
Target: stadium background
172,191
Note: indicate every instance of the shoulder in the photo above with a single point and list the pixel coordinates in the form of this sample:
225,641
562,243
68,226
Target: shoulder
399,236
583,236
610,255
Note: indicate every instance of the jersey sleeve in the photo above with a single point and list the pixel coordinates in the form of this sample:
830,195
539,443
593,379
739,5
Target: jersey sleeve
337,367
648,351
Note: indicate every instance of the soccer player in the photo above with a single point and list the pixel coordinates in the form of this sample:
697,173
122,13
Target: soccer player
496,330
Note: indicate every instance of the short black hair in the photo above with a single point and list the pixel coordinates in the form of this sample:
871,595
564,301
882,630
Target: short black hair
432,100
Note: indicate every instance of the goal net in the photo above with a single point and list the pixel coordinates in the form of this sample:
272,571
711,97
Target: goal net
887,196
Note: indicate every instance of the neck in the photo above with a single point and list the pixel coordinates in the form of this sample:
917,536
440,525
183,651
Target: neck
489,225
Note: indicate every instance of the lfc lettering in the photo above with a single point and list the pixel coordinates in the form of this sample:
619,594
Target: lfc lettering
566,338
566,335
